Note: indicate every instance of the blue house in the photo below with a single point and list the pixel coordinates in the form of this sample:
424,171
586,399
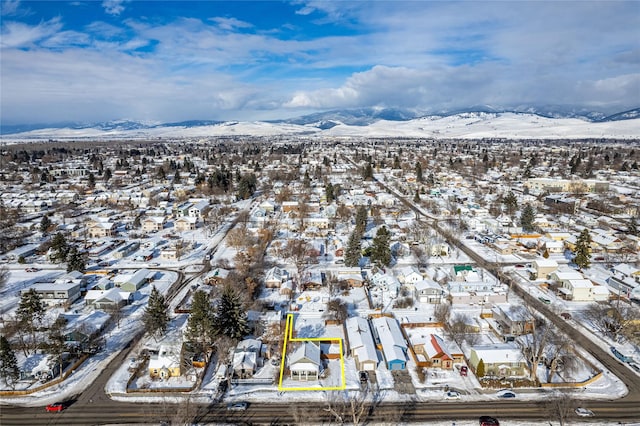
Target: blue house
394,347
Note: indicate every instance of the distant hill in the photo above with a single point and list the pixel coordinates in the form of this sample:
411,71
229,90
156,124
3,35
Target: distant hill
481,121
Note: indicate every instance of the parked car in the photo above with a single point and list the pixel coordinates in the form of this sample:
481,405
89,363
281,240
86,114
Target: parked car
544,300
584,412
452,395
237,406
55,407
507,394
489,421
364,377
463,370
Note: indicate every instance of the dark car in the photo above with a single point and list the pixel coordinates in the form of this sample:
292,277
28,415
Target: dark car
489,421
364,377
55,407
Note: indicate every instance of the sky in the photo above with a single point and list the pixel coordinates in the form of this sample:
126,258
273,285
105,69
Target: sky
166,61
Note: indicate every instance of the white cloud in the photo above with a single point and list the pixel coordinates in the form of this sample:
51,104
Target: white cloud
113,7
9,7
18,35
230,23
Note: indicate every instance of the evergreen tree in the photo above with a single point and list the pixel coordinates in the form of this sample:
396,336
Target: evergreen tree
361,220
176,177
583,247
91,181
416,197
633,227
480,369
510,203
75,260
396,163
353,251
60,248
201,330
45,224
29,315
57,343
230,318
367,172
381,252
306,182
156,316
527,216
328,191
247,186
107,174
9,370
419,176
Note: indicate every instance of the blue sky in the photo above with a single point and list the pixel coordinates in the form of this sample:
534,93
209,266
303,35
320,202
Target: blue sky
243,60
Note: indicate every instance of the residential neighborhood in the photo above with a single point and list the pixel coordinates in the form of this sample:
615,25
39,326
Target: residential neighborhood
440,267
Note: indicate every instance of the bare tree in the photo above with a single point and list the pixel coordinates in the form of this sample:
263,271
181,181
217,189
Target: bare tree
4,276
337,310
561,405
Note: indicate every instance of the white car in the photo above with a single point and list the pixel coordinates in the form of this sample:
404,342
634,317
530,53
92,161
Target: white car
584,412
452,395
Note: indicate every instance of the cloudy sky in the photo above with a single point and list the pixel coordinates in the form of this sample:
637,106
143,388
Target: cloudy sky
241,60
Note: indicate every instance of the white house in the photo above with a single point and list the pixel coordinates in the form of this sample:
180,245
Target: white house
361,346
304,362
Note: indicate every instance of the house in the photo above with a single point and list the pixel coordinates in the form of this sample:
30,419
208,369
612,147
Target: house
198,209
435,351
169,253
165,363
217,276
102,229
312,280
246,358
389,336
153,223
409,275
544,267
428,291
186,223
288,206
133,282
105,299
275,277
304,362
286,289
353,276
499,360
81,330
361,346
57,294
268,206
513,320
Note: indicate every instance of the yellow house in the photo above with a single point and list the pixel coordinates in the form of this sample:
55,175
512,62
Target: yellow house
166,363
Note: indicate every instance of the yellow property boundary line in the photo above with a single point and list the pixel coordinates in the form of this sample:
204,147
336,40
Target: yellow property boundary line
288,332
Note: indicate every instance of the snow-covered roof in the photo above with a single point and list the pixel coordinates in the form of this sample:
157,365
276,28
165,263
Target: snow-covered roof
307,350
393,343
493,354
360,339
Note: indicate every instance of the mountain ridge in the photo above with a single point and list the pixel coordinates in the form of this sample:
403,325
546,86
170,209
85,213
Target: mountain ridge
328,119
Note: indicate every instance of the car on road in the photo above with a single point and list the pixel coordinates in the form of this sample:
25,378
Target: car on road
237,406
507,394
452,395
55,407
489,421
584,412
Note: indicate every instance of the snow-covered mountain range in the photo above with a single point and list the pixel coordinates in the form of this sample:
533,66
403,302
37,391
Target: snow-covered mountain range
364,122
